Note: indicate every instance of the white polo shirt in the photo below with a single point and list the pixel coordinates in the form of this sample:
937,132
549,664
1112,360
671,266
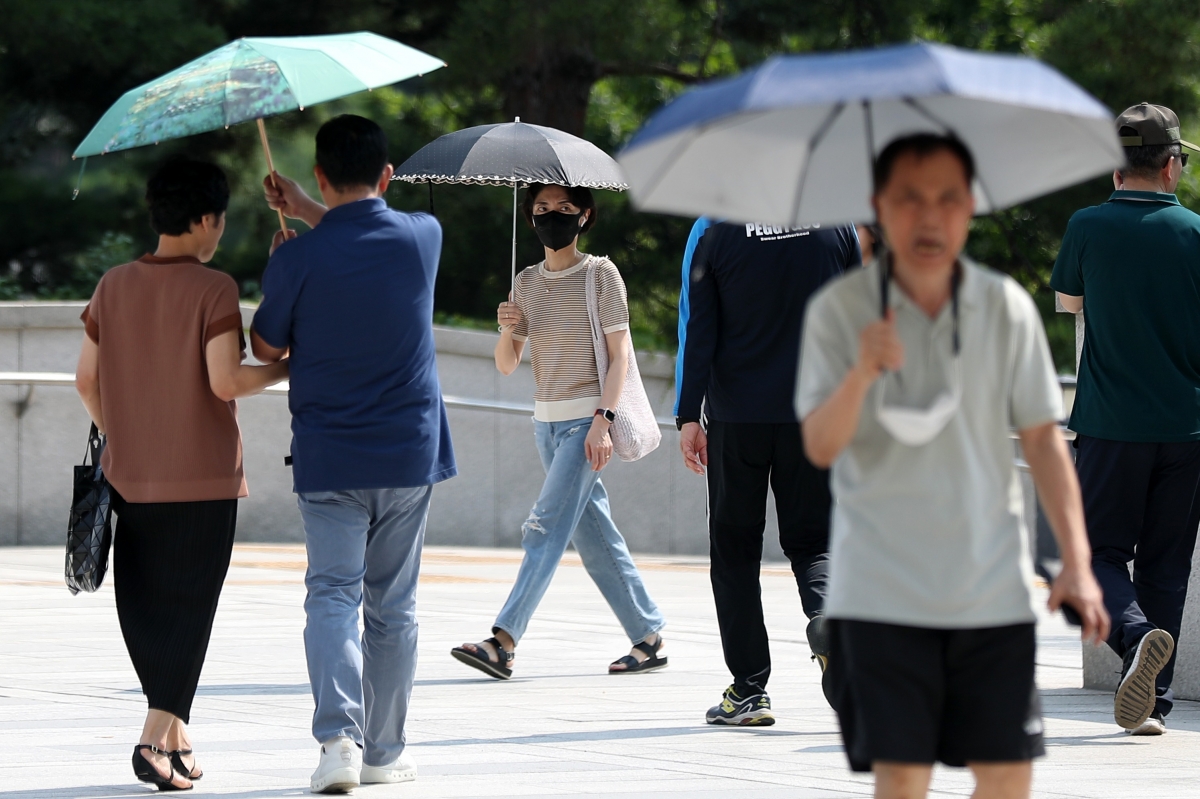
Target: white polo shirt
933,536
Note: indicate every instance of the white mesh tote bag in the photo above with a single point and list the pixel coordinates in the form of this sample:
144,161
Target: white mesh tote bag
635,432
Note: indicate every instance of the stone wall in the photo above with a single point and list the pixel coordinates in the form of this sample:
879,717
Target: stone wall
658,504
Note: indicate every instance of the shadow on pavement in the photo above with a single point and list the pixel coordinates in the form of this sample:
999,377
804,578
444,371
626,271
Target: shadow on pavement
243,689
141,792
609,735
254,689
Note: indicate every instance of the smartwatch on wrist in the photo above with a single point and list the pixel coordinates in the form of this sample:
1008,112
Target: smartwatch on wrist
608,415
680,421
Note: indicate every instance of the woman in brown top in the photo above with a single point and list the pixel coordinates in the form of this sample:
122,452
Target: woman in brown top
160,369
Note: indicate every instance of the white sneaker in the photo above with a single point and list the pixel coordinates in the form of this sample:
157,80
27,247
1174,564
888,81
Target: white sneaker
1134,700
341,762
402,769
1151,726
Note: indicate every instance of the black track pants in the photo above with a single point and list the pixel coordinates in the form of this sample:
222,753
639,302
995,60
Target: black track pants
743,459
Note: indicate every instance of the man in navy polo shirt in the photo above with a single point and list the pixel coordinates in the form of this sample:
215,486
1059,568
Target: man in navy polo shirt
351,303
1132,265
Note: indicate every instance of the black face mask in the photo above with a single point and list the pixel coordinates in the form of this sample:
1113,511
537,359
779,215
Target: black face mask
556,229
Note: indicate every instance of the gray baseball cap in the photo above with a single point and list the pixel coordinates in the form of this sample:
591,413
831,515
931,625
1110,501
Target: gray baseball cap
1155,124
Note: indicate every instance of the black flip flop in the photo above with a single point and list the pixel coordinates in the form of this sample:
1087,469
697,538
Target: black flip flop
631,664
479,659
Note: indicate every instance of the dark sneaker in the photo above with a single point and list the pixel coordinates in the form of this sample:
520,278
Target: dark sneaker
1151,726
818,641
753,711
1134,701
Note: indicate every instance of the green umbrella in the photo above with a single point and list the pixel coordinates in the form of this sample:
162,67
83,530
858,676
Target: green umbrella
252,78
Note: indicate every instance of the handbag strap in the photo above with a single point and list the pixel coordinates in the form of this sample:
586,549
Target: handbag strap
599,343
95,445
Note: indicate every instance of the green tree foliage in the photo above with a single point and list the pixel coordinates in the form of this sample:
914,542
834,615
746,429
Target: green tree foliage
595,69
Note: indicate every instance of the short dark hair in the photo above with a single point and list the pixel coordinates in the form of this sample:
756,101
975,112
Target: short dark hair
351,151
182,191
579,196
1147,160
922,145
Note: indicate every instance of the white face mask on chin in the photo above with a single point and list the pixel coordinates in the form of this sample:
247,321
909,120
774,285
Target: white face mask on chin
917,427
913,426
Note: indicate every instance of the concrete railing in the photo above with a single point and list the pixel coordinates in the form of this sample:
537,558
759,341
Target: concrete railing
457,527
659,505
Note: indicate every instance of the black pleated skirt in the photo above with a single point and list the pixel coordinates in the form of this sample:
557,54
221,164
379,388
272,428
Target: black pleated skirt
169,563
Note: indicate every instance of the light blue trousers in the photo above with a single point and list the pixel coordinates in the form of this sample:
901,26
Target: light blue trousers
573,508
364,549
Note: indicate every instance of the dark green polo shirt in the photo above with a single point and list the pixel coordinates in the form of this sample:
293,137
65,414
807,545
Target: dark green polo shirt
1136,261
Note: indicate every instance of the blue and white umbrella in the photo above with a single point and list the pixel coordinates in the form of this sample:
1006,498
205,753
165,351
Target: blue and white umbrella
792,141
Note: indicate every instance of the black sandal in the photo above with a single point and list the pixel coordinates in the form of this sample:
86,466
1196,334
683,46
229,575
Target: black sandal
631,664
479,659
146,772
177,762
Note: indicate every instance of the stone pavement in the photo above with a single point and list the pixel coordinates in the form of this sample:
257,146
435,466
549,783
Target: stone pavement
71,710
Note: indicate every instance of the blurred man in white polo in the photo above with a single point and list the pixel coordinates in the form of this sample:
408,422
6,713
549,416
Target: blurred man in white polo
930,593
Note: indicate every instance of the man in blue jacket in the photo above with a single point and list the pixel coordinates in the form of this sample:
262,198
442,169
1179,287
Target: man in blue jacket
352,302
741,315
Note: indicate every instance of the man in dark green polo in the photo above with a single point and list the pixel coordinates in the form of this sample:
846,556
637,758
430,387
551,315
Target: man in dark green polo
1132,266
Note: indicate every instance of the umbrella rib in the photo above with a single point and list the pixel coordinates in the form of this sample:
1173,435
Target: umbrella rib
912,103
947,129
869,130
669,162
693,134
813,144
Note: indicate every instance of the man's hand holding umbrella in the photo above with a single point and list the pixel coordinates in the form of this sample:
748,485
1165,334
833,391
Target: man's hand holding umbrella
289,198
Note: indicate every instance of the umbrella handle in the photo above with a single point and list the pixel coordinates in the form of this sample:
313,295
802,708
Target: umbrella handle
513,283
262,134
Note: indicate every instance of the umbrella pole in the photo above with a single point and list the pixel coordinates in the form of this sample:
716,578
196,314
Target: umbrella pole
513,285
262,134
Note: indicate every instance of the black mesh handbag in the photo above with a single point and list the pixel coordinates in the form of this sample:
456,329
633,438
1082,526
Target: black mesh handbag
89,535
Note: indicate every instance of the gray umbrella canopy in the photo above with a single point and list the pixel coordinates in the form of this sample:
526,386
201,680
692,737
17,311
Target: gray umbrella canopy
792,141
512,154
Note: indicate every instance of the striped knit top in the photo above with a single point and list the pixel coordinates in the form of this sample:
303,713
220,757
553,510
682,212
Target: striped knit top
555,323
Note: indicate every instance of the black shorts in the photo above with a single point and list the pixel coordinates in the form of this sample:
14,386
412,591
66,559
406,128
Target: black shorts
919,695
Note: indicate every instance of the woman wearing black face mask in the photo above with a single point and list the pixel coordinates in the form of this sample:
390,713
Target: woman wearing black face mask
572,414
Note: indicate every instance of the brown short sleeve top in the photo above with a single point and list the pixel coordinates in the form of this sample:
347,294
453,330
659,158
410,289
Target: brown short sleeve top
170,439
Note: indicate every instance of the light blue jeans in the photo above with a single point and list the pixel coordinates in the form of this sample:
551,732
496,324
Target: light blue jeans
364,549
573,507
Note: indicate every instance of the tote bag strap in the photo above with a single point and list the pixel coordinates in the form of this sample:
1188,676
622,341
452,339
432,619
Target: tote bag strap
599,343
95,445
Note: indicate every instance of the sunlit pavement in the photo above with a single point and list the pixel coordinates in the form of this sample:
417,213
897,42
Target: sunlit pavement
71,709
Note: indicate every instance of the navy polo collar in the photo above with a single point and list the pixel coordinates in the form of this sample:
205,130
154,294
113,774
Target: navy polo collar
355,209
